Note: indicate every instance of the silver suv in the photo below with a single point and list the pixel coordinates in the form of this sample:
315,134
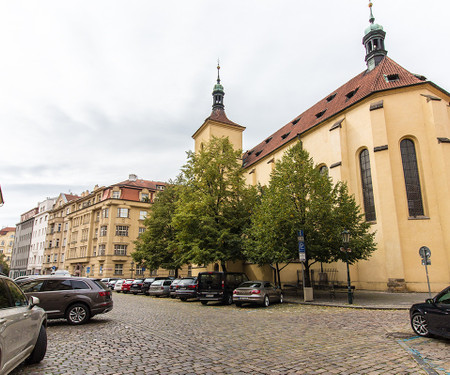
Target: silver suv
23,335
76,299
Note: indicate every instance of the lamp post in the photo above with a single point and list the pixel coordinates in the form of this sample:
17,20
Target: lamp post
131,269
345,240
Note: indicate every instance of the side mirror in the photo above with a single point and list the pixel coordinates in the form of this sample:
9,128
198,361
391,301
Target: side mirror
33,301
429,300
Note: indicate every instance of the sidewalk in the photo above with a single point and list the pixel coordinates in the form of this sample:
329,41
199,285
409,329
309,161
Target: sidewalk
362,299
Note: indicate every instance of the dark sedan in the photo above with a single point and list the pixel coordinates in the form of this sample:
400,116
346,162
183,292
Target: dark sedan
433,316
136,287
187,288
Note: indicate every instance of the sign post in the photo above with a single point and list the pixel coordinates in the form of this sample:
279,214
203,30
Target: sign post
425,254
307,291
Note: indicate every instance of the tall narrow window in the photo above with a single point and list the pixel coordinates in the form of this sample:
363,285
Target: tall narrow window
367,187
412,181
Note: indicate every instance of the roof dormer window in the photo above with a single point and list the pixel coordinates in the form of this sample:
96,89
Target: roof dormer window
320,114
331,97
391,77
351,93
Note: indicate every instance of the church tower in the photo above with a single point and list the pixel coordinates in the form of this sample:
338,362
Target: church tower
374,42
217,124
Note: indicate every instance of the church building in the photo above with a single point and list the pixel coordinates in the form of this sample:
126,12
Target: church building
386,133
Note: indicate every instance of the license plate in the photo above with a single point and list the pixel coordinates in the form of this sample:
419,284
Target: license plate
209,295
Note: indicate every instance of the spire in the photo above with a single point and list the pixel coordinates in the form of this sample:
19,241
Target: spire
218,92
374,42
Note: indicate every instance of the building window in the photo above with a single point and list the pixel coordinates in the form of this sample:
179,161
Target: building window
101,249
323,170
412,180
105,212
139,270
118,269
122,212
116,194
120,249
103,230
141,231
142,215
121,230
144,197
367,187
57,242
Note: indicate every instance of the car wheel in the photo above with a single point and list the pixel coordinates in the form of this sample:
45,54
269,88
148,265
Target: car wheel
204,303
184,299
134,293
38,353
419,324
229,299
77,314
238,304
281,298
266,301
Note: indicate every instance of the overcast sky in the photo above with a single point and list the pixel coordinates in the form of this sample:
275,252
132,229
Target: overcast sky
91,91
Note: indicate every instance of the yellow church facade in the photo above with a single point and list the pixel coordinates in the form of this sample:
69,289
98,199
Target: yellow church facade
386,133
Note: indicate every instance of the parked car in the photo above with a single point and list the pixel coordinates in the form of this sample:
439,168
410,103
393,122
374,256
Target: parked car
107,280
23,335
257,292
173,287
76,299
136,286
433,316
126,285
118,285
218,286
61,273
160,288
187,288
112,284
148,281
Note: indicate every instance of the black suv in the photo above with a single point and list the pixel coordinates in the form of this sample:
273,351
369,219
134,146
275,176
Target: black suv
76,299
218,286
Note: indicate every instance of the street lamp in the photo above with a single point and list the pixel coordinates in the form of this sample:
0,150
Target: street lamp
345,240
131,269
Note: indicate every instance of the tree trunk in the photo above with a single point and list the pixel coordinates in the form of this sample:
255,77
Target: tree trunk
224,267
306,274
278,275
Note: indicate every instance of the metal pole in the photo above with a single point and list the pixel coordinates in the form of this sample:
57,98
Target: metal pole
428,279
349,285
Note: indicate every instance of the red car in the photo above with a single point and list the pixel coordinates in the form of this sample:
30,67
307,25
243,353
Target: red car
127,285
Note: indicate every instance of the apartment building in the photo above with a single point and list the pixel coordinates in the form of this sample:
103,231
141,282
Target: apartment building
94,235
7,236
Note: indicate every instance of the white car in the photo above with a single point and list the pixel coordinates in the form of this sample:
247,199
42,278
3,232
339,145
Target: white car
23,335
118,285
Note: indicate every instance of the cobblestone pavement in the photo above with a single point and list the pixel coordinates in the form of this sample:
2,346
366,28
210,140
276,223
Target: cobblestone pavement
147,335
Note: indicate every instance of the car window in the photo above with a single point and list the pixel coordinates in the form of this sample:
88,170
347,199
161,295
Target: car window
18,298
167,282
4,299
268,285
250,285
78,284
32,286
445,298
102,285
212,280
51,285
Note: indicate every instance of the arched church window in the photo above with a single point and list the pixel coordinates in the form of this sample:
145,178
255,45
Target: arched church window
323,170
412,180
367,187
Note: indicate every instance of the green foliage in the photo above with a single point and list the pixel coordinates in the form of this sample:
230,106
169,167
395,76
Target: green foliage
214,206
157,247
299,197
3,265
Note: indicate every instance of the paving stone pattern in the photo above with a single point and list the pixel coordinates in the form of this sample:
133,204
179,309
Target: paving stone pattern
146,335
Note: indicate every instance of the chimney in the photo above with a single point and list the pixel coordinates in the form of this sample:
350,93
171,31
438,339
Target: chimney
132,177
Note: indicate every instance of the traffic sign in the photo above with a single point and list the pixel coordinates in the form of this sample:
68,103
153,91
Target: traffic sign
88,269
425,252
301,246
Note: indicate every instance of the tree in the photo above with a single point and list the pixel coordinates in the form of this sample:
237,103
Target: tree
3,265
300,197
215,205
157,246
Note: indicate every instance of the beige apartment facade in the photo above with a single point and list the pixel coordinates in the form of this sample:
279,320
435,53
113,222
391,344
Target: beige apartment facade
7,236
386,133
95,233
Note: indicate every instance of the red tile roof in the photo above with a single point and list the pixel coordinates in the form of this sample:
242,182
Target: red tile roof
387,75
142,184
6,230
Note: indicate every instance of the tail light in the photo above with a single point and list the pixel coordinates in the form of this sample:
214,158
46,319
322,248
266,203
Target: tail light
223,284
162,288
235,291
104,293
255,291
192,286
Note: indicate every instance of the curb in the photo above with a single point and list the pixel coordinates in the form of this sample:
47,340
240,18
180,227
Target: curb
330,304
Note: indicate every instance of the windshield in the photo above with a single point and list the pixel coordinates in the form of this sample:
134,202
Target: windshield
210,280
250,285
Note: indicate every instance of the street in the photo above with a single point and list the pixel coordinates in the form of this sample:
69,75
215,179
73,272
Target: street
147,335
